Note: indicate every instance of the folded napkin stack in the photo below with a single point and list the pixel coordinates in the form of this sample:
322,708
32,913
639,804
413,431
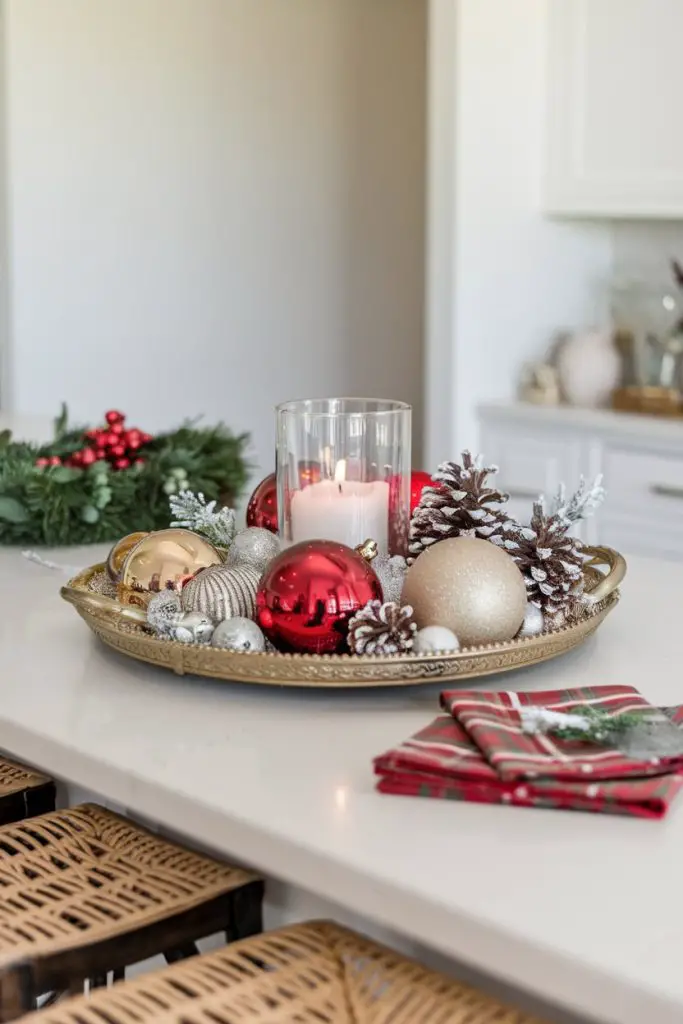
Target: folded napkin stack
508,748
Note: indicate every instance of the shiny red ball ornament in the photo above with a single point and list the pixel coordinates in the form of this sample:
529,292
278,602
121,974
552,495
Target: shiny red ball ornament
309,593
88,456
117,428
117,451
418,481
262,507
54,460
114,416
42,462
75,459
121,463
145,438
100,454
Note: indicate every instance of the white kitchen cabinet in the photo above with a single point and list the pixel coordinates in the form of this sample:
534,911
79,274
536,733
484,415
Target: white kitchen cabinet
614,82
641,459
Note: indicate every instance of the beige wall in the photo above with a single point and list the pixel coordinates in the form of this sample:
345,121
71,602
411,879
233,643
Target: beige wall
219,200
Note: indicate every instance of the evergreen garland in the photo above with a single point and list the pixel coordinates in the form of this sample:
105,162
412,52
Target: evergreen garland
60,505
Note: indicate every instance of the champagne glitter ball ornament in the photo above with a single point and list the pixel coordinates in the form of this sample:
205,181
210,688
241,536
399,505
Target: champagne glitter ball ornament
238,634
222,592
470,586
163,560
262,507
119,553
254,546
309,593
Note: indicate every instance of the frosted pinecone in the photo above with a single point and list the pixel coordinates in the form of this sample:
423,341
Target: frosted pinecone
460,504
382,629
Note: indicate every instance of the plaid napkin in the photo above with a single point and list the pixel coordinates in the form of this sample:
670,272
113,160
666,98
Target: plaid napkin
443,760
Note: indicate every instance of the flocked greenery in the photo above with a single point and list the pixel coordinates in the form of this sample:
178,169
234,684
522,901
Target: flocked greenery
63,505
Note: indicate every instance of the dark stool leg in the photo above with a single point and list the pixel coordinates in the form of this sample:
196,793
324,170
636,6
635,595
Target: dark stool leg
183,952
118,974
246,912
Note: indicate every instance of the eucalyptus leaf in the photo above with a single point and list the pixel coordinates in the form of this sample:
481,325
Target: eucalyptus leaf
64,474
12,511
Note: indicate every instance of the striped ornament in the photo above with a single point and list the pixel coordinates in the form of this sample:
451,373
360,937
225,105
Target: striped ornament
222,592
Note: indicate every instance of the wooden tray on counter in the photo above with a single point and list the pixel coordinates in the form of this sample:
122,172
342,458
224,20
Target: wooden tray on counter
120,627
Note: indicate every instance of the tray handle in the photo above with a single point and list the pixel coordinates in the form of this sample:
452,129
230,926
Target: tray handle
616,570
98,603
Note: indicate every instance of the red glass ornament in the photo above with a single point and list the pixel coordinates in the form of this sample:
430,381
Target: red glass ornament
117,451
418,480
54,460
122,463
146,438
109,440
100,454
262,507
114,416
309,593
117,428
42,462
88,456
75,459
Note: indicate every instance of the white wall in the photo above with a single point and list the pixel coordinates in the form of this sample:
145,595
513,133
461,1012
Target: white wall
514,277
214,205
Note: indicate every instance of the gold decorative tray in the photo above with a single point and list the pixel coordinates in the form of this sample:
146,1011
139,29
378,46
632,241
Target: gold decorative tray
120,627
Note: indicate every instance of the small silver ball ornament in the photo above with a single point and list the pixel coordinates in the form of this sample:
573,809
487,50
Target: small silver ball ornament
254,546
192,628
533,621
431,639
238,635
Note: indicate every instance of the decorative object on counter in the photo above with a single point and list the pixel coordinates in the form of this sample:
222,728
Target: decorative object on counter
360,449
164,611
255,546
648,400
222,592
481,751
391,572
120,552
309,593
71,498
192,628
262,507
589,368
192,512
549,556
382,629
644,733
540,384
238,634
418,481
459,504
433,639
471,587
163,560
533,621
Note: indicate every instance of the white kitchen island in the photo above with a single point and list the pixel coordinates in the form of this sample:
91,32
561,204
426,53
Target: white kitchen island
585,911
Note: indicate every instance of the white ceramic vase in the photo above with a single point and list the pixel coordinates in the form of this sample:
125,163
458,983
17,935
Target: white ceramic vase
589,367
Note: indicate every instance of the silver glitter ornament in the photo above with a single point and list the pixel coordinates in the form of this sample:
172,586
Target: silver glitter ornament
391,570
254,546
192,628
533,621
164,611
238,635
435,638
222,591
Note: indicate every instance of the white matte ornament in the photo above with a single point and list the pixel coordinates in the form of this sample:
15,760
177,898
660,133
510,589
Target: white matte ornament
433,639
238,635
255,547
470,586
533,621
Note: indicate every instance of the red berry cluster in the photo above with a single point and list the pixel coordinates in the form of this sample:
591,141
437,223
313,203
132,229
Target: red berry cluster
114,442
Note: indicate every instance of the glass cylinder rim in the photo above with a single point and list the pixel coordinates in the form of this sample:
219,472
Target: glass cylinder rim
306,406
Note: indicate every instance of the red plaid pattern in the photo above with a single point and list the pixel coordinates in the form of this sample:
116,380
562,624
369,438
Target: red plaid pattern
492,720
442,760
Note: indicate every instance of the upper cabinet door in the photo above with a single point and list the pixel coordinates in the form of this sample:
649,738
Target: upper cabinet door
615,95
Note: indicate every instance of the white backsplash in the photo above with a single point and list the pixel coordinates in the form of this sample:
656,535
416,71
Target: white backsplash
642,250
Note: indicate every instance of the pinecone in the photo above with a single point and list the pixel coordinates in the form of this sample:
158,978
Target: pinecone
459,505
551,562
382,629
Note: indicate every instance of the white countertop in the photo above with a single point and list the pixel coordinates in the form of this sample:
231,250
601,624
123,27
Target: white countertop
585,910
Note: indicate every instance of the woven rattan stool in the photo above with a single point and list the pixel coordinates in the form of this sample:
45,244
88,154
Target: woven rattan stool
315,973
23,792
84,892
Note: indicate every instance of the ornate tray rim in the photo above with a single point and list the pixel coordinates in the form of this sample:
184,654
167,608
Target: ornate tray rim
121,628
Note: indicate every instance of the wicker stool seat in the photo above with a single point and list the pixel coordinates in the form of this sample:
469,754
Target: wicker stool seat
23,792
315,973
85,891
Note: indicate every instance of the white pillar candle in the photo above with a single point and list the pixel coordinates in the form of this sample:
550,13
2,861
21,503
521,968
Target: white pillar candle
347,511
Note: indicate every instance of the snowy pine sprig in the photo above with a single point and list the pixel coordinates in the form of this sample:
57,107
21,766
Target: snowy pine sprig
581,504
192,512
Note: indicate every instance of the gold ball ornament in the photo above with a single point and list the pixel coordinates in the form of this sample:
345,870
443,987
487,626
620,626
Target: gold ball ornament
163,560
471,587
119,553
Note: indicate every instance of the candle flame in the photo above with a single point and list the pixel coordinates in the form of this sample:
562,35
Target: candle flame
340,471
